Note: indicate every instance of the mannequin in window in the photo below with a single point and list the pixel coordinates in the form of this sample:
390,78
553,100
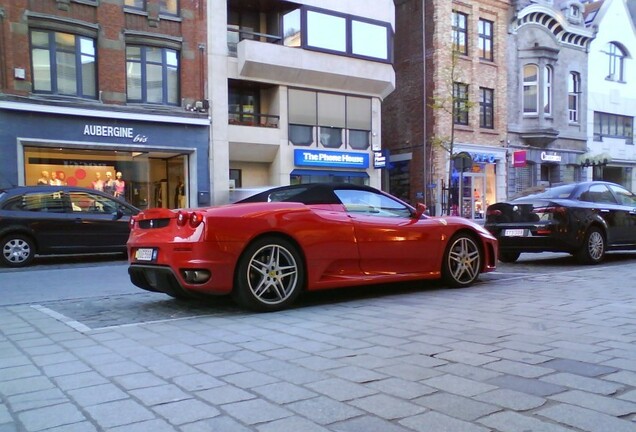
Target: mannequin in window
179,194
98,184
109,184
44,178
54,180
120,186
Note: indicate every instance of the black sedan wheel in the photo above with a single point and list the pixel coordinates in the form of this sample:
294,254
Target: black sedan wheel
270,275
462,261
17,250
508,257
593,249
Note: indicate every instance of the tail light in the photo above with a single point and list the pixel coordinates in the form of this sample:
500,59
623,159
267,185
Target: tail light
550,212
194,218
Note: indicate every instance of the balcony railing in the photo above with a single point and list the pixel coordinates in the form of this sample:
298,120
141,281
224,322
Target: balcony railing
253,119
236,34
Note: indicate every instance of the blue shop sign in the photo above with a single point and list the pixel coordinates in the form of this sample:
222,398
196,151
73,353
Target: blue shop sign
331,159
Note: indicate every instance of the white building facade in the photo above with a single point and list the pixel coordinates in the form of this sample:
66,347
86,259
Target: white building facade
295,92
611,94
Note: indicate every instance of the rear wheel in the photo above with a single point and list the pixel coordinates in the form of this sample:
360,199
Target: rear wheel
462,261
508,257
17,250
270,275
593,249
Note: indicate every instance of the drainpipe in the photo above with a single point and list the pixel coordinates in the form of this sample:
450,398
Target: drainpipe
3,72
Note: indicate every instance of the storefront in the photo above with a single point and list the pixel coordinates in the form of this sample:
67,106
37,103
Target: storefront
481,183
313,166
530,168
162,160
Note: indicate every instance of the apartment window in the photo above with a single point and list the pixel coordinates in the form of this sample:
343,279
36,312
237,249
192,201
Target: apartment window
335,33
460,32
135,4
460,102
530,89
329,120
616,58
169,7
574,90
152,75
244,104
485,39
613,126
486,108
547,90
63,64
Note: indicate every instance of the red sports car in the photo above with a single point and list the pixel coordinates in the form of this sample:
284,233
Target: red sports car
266,249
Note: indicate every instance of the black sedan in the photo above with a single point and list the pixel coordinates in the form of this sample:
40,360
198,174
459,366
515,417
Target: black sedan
45,220
584,219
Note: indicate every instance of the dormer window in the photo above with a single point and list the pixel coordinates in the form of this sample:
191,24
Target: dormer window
574,12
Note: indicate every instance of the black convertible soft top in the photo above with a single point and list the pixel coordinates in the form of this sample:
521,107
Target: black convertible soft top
309,193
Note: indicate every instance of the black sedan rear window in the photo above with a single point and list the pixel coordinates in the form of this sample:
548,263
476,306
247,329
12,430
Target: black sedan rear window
558,192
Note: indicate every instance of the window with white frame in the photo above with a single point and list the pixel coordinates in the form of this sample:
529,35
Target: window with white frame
547,90
574,90
616,57
530,89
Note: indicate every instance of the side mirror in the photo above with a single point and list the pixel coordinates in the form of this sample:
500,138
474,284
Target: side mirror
420,209
118,214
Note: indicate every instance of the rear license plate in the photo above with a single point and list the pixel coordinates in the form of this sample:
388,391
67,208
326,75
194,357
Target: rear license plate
514,233
144,254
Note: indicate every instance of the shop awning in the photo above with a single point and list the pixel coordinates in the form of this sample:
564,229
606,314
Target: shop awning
330,173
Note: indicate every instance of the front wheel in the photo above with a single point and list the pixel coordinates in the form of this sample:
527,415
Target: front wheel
462,261
17,250
270,275
593,249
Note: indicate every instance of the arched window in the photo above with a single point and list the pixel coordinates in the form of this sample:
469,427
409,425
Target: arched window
574,89
547,90
616,58
530,89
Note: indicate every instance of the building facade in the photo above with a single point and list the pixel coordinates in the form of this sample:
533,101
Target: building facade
94,88
611,107
547,88
296,90
450,99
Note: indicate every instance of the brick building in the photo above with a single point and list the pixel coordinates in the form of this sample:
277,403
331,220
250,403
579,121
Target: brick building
448,53
88,87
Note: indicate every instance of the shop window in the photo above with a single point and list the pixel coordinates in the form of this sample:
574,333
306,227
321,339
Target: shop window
460,103
301,135
530,89
550,173
333,117
359,139
460,32
486,108
486,40
152,75
330,137
63,64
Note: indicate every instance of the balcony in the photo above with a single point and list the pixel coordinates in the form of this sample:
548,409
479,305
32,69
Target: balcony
252,119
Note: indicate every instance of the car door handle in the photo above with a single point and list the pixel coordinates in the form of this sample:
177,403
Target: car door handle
604,211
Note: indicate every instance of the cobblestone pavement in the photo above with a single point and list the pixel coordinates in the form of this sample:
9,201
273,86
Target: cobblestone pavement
548,351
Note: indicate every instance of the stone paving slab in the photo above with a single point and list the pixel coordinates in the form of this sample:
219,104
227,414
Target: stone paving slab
504,355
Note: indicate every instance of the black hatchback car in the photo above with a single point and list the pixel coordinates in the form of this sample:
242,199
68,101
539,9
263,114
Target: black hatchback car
45,220
584,219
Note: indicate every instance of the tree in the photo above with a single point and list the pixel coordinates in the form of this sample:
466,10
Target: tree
453,100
